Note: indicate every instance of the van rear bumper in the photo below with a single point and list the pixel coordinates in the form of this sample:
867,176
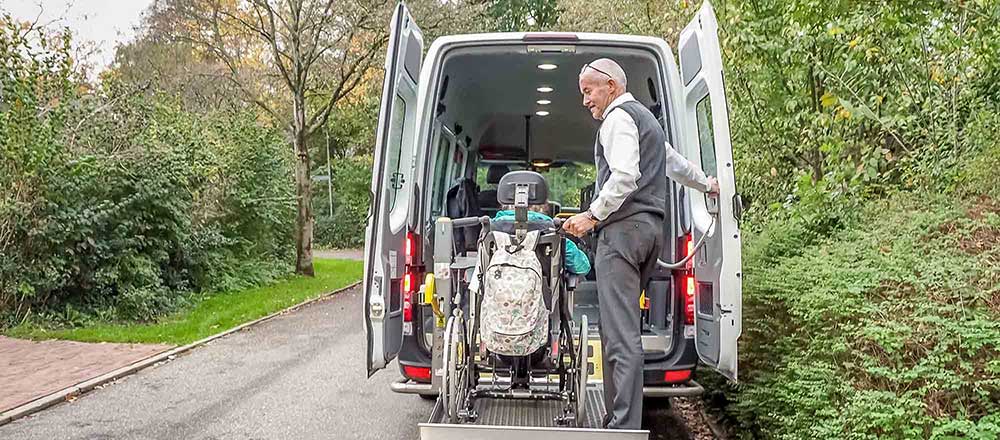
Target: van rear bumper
407,386
688,389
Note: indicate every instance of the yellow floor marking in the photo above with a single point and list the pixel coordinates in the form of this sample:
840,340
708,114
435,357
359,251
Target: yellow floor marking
595,360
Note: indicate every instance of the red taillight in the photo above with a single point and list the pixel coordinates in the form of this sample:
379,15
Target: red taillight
417,373
687,281
409,285
688,288
409,248
407,297
677,376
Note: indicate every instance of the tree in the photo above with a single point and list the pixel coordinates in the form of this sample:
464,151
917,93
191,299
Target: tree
519,15
294,60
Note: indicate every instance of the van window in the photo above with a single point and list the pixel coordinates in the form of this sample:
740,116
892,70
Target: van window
393,176
706,136
565,182
440,175
458,170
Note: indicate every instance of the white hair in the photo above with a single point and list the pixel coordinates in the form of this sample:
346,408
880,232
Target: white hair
609,67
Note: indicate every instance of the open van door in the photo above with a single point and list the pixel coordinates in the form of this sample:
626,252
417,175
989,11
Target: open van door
717,267
391,190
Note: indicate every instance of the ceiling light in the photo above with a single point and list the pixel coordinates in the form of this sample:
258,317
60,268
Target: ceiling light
541,163
547,66
542,113
543,102
545,89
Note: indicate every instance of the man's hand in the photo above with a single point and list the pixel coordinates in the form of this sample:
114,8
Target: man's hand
714,184
580,224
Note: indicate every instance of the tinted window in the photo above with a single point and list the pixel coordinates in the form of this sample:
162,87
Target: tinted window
706,136
441,183
394,178
458,168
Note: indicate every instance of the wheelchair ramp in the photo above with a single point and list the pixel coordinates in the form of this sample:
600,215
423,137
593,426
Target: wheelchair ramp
536,413
511,419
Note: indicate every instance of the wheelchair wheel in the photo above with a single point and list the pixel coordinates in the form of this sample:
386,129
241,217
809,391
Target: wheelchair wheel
582,373
455,383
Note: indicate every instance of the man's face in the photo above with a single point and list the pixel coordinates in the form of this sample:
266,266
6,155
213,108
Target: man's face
598,91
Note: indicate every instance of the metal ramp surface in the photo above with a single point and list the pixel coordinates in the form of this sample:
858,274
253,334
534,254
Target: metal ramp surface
536,413
518,419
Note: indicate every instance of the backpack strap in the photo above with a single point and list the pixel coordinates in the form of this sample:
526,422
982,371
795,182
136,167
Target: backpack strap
502,239
531,240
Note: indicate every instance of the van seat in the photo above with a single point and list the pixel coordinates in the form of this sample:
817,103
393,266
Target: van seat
488,198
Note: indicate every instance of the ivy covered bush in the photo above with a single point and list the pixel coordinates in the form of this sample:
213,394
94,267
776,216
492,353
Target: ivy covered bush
117,204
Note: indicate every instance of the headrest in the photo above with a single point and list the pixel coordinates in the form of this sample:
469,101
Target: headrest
538,189
495,173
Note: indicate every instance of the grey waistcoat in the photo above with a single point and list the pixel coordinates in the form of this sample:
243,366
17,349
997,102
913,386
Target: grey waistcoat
651,194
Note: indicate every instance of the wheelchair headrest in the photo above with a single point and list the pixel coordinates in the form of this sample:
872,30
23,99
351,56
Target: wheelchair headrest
495,173
538,189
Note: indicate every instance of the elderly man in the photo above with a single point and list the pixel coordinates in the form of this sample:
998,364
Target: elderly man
633,162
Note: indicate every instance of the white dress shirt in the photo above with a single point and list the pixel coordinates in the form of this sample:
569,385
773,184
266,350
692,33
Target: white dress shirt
620,137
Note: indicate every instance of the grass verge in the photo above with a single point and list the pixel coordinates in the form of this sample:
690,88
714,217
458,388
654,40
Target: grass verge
214,313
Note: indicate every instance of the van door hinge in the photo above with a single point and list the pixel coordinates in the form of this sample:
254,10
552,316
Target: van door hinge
376,304
397,180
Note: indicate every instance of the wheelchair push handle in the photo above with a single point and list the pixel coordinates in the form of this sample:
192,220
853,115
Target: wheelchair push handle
558,230
466,222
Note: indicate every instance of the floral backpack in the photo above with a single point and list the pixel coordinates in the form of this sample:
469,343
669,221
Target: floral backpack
514,316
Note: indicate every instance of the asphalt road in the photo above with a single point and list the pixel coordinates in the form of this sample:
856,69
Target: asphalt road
299,376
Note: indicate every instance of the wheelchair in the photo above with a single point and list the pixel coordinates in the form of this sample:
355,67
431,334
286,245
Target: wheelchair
556,371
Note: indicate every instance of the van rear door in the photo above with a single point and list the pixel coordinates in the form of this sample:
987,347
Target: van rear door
392,187
706,141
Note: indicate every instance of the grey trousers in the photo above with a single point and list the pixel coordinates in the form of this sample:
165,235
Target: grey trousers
625,259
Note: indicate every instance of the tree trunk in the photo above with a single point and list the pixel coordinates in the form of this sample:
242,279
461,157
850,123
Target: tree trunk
303,191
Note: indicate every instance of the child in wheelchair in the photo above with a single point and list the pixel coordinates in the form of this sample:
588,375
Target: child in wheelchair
521,279
519,309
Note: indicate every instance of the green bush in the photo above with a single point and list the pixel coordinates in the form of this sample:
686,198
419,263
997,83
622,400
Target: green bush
352,178
887,327
121,203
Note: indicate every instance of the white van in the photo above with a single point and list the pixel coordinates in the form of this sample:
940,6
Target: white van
454,120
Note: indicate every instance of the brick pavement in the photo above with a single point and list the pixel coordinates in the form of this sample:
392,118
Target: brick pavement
31,369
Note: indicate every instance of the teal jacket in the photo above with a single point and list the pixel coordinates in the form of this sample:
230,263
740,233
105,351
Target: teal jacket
576,261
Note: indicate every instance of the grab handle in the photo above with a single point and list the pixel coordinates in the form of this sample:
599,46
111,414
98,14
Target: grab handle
698,245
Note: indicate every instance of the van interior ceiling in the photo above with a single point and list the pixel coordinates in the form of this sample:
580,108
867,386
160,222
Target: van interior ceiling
495,93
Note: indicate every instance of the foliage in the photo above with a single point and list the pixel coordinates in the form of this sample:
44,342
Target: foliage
872,96
565,182
351,185
121,203
885,327
211,314
520,15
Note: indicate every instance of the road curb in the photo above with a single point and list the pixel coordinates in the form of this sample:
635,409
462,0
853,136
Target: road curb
87,385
